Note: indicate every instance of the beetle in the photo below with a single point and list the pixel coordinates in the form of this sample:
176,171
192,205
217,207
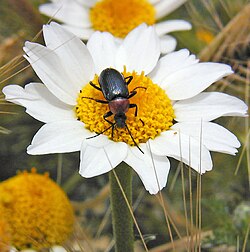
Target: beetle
114,87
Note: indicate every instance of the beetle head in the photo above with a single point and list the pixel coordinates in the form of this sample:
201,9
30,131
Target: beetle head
120,120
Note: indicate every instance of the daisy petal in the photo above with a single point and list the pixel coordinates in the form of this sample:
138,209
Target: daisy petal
96,161
57,249
69,12
212,135
58,137
39,102
82,33
154,1
192,80
208,106
171,63
139,51
88,3
50,70
171,26
183,148
164,7
103,48
72,52
167,44
153,173
97,141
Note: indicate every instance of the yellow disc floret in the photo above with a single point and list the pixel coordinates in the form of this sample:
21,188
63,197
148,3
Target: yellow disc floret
5,238
155,111
119,17
38,212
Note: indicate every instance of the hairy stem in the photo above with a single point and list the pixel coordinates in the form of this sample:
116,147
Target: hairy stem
121,217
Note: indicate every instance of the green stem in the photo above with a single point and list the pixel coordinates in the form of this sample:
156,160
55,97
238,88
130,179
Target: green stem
121,217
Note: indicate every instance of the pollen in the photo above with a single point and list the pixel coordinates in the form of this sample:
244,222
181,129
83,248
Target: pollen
120,17
155,111
37,211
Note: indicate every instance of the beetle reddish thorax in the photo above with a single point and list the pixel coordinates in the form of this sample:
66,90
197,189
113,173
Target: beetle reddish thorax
119,17
119,106
155,111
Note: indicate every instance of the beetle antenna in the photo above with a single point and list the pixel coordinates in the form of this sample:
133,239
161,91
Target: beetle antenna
133,139
112,126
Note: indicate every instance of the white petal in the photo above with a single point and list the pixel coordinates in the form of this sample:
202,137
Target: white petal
96,161
58,137
39,102
57,249
164,7
192,80
167,44
212,135
88,3
13,249
208,106
69,12
184,148
72,52
154,1
167,26
139,51
50,70
98,141
171,63
103,48
153,171
82,33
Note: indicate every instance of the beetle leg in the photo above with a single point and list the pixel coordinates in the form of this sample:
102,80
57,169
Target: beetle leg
100,101
134,106
108,114
111,125
136,110
130,78
132,93
142,122
137,88
94,86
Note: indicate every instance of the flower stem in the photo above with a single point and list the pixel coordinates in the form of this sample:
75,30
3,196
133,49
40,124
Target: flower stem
121,217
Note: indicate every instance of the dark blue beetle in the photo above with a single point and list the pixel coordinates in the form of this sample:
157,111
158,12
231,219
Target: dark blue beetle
114,87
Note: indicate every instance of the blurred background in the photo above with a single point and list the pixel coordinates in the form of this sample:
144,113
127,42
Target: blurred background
221,33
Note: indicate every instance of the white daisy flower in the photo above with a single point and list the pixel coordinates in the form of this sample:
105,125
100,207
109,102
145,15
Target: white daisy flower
174,114
83,17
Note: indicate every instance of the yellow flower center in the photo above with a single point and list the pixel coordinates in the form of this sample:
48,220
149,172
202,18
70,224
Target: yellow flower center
204,35
155,111
38,212
5,238
119,17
